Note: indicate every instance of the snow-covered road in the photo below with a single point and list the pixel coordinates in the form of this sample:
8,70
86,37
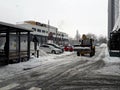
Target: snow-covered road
66,71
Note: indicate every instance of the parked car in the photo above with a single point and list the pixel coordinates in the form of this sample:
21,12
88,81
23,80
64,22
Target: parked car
68,48
50,49
56,46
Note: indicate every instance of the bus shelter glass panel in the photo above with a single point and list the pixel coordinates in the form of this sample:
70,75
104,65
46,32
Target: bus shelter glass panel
13,46
2,41
23,45
2,46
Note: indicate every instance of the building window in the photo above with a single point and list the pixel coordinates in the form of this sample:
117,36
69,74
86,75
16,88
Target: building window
34,29
43,31
39,30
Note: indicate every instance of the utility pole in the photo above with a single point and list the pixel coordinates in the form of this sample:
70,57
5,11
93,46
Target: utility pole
77,35
48,31
56,35
48,27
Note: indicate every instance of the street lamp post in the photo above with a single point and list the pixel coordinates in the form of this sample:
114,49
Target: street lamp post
62,39
56,35
48,30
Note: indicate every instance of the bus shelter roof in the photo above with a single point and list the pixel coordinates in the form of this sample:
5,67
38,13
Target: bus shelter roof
6,27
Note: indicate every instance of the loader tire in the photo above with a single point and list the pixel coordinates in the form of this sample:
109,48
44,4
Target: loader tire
82,54
91,54
78,53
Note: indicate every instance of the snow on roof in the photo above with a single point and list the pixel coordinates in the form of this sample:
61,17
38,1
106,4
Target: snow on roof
16,27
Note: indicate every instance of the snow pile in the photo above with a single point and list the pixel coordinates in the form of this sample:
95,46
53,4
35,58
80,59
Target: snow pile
42,53
17,68
65,53
112,66
103,45
109,59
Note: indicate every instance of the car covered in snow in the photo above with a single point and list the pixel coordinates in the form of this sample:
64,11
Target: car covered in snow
50,49
56,46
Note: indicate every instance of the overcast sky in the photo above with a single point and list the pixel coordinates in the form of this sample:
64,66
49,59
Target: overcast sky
86,16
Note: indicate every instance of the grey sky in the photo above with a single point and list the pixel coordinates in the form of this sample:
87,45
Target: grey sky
87,16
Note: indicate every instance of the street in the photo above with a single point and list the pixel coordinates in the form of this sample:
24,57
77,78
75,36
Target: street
68,72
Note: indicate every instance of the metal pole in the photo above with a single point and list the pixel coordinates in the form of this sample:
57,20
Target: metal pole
28,46
56,36
19,46
7,49
48,29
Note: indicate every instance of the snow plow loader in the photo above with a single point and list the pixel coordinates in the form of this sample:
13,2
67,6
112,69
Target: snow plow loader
86,47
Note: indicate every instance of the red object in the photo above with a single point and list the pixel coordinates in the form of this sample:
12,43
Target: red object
68,48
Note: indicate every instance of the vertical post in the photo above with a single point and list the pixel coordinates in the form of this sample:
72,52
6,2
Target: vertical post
28,46
48,27
62,39
48,30
19,46
56,36
119,41
7,48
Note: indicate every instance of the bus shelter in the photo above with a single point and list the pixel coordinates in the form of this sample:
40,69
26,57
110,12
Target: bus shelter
14,43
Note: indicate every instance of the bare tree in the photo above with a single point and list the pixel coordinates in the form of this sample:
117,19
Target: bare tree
90,35
102,39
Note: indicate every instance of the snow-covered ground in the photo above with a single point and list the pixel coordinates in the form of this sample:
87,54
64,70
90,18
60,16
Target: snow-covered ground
12,69
112,64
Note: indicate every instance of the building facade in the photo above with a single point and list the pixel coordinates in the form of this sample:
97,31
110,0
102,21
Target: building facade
45,32
113,14
114,27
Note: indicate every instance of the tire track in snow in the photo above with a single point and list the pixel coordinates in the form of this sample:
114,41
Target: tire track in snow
61,71
80,68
